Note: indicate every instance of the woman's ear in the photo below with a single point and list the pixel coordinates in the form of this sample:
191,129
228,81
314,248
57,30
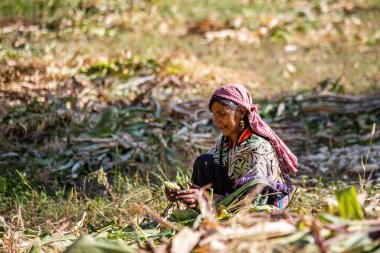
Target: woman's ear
241,112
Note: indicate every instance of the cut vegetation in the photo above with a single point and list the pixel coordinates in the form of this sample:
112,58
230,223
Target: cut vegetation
101,102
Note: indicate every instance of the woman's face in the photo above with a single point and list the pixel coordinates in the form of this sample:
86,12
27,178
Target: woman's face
226,119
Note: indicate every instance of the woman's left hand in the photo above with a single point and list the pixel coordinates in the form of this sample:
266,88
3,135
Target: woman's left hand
190,196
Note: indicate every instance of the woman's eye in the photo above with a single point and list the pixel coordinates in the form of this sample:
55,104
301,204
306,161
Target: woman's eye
219,114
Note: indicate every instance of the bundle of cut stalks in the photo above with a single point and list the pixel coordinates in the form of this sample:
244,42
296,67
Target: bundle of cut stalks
331,103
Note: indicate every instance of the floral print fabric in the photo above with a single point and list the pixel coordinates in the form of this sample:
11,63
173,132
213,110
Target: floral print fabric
253,156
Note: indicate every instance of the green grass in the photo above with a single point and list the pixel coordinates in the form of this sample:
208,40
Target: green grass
40,208
37,11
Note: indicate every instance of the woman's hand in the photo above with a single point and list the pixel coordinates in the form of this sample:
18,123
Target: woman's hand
190,196
170,194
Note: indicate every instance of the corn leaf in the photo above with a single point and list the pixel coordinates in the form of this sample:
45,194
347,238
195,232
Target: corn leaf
349,206
88,244
104,119
239,192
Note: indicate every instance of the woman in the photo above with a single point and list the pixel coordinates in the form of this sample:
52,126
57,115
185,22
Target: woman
248,149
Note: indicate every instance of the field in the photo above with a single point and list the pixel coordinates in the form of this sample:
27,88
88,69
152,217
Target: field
102,101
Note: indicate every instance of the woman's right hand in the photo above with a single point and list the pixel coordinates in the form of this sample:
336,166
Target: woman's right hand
171,195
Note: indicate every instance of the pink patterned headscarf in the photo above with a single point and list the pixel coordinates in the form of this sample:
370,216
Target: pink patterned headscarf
240,95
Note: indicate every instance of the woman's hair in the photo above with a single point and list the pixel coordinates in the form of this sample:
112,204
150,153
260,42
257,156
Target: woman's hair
223,101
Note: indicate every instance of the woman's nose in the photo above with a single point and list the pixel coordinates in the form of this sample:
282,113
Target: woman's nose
219,124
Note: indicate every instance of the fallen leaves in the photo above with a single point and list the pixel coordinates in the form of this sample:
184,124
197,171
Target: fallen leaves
185,241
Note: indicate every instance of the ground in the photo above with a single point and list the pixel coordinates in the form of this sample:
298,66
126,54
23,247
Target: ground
102,101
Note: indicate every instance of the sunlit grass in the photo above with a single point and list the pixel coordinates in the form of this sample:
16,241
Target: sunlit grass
36,11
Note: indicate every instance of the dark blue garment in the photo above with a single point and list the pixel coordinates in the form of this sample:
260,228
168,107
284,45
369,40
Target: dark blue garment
205,171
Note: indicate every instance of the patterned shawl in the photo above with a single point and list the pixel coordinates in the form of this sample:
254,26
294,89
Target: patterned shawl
240,95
